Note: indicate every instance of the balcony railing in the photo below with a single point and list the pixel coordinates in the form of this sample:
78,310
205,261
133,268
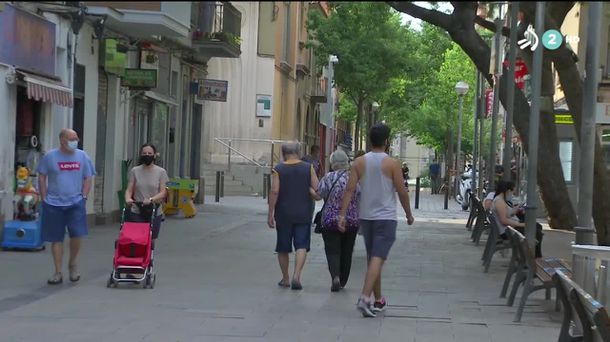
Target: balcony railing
217,31
318,91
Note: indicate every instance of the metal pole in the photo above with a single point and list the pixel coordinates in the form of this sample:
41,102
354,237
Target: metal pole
229,158
585,232
272,154
417,193
217,193
222,184
200,198
532,153
264,186
510,95
482,112
459,167
475,151
447,193
496,104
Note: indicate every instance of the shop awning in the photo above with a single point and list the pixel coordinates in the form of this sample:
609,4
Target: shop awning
45,89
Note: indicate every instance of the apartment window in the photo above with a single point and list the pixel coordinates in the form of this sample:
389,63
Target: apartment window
267,12
286,32
174,84
566,157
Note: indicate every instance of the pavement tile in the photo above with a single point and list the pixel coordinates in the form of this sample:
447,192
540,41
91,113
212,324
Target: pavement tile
217,276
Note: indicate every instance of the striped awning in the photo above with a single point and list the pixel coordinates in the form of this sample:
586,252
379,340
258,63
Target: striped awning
44,89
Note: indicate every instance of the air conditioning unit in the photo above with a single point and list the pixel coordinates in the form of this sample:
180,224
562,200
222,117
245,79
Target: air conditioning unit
11,78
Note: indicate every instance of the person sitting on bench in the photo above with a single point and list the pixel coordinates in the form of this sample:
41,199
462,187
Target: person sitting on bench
505,214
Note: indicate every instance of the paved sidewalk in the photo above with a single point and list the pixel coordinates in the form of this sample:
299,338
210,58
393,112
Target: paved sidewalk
217,276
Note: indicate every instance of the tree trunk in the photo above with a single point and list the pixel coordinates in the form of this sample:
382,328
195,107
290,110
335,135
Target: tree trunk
358,125
460,27
572,85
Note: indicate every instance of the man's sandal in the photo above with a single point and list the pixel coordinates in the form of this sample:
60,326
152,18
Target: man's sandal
55,279
74,275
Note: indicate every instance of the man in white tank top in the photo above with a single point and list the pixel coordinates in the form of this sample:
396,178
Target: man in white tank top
380,177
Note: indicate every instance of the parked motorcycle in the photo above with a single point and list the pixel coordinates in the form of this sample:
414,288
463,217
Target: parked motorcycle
465,189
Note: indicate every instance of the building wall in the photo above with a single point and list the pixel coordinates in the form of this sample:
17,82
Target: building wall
8,105
130,5
179,10
285,125
87,55
248,75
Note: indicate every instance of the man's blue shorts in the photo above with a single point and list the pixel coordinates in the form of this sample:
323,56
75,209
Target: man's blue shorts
56,219
295,234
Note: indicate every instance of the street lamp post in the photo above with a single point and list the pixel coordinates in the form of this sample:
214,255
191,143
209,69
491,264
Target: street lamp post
461,88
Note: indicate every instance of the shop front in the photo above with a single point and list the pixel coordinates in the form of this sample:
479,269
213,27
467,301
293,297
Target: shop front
29,92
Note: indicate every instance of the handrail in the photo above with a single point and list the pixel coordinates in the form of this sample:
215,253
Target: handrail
253,140
273,141
236,151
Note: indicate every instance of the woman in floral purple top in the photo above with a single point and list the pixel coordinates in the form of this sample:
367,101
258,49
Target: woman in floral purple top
338,245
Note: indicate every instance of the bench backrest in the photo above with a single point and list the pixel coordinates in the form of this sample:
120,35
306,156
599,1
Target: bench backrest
524,250
494,233
564,286
592,313
515,243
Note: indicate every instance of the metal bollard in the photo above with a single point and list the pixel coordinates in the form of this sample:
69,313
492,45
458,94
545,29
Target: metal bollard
200,198
268,175
222,184
446,195
217,194
417,193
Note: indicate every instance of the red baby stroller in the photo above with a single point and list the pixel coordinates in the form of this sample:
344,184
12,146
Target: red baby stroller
133,252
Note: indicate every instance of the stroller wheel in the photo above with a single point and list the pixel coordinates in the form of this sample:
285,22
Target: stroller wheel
110,282
154,280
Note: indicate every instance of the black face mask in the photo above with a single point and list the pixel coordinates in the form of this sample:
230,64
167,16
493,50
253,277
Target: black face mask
147,160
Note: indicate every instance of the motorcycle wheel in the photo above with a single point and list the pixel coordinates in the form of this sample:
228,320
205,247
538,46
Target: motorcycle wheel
466,201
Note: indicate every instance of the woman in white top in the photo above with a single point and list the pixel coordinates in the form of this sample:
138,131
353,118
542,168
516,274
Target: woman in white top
506,215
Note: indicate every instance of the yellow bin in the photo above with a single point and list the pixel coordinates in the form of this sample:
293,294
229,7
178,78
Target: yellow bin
180,196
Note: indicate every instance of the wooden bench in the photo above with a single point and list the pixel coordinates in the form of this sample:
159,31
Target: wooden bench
576,302
529,270
494,243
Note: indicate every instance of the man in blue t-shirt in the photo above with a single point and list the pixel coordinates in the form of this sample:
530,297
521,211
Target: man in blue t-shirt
65,177
435,172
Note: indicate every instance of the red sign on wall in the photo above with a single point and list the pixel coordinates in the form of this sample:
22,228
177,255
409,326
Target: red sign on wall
489,99
520,72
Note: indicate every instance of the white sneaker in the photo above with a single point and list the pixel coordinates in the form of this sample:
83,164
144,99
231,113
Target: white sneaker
365,308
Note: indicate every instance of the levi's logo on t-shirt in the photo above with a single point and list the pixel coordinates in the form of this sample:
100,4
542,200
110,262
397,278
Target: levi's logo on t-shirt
69,166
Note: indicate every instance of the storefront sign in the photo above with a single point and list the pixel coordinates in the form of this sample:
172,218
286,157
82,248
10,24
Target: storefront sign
263,106
213,90
114,61
564,119
27,40
139,78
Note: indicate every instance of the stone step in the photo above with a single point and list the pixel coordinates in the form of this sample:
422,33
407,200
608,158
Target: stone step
212,182
229,187
231,191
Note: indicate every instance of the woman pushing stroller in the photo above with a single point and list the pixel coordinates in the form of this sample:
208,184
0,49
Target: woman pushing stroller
147,185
